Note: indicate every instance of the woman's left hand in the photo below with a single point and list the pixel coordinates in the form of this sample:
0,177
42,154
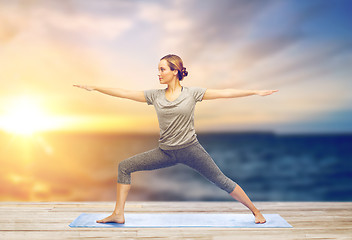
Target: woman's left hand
266,92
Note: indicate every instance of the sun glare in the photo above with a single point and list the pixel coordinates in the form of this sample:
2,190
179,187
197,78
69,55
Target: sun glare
25,116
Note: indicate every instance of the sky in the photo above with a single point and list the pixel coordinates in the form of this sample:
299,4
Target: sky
302,48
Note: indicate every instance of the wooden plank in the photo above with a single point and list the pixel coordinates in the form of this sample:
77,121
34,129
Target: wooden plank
311,220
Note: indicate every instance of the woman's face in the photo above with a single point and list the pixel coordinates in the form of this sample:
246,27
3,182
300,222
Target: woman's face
165,73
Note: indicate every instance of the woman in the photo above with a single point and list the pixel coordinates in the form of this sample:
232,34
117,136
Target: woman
178,142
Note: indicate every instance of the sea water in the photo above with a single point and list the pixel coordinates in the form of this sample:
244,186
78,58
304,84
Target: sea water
268,166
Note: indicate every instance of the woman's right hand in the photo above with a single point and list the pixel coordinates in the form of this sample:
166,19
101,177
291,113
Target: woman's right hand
117,92
88,88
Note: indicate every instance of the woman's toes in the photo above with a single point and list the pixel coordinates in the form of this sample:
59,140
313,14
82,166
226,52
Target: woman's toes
112,218
259,218
261,221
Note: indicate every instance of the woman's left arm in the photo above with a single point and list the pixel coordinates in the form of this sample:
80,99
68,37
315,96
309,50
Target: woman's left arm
234,93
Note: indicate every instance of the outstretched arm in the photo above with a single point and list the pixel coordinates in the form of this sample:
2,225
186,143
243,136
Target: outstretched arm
233,93
117,92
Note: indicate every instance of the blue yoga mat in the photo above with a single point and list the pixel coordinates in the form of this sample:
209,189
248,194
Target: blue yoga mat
172,220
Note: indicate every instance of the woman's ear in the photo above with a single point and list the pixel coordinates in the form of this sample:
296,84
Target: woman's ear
175,72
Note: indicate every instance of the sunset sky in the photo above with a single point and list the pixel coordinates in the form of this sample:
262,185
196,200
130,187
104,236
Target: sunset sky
302,48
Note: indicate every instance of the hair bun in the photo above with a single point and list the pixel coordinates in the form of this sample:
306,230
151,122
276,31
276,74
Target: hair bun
184,72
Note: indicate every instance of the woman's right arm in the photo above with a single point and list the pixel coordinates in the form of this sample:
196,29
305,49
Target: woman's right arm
117,92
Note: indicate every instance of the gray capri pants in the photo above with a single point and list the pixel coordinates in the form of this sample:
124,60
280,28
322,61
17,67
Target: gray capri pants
193,156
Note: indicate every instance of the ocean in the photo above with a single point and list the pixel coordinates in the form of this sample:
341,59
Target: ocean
268,166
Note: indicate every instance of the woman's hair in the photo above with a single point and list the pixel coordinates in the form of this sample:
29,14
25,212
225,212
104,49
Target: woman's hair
176,63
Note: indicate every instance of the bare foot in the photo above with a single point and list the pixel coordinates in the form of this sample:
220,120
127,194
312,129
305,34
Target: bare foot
113,218
259,218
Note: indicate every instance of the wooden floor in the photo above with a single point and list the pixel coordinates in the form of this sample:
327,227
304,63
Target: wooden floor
310,220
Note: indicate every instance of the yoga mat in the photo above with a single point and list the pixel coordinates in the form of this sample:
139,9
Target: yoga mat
174,220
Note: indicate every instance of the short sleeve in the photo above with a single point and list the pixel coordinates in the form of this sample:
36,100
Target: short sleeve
150,96
198,93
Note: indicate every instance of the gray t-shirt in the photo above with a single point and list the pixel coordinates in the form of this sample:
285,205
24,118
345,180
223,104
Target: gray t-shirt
176,118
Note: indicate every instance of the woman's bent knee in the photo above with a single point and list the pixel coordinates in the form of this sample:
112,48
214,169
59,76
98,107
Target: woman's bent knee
225,184
123,176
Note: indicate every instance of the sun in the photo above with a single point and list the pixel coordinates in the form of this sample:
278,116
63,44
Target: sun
25,116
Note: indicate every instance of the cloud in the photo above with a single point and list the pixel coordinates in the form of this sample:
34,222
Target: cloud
49,19
259,50
12,21
282,38
85,24
317,63
222,22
